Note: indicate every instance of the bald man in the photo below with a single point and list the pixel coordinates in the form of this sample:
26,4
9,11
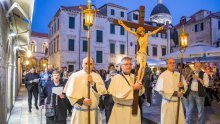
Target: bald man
197,92
77,92
168,85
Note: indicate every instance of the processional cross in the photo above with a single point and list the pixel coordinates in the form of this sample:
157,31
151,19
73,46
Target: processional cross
141,54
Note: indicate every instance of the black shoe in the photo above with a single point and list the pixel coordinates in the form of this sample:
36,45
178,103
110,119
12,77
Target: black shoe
29,110
37,107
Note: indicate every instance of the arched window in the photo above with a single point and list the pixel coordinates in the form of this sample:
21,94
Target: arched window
45,47
33,46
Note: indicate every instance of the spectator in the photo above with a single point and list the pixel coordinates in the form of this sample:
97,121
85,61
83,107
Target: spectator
59,102
32,80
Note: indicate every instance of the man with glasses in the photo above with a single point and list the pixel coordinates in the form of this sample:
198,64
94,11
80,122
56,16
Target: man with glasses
168,86
121,88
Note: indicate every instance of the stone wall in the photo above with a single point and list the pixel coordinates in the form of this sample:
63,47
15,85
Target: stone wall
3,72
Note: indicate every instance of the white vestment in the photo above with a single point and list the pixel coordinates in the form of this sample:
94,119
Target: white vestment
122,94
167,84
77,88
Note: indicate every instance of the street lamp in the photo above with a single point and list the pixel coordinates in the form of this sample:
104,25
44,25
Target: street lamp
27,62
183,44
29,53
184,39
89,16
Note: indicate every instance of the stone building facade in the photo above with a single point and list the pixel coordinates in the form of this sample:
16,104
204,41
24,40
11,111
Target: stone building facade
203,27
39,48
109,42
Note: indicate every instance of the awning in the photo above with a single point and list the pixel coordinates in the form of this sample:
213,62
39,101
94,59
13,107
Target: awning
194,51
19,14
155,62
213,53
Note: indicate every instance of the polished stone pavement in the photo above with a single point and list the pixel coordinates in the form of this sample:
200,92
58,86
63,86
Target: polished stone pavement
20,114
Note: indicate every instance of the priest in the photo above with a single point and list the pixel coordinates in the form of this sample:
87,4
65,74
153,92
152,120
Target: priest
77,92
168,86
121,88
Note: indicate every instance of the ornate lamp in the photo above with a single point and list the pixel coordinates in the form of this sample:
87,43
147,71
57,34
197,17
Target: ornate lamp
89,16
183,44
184,38
29,53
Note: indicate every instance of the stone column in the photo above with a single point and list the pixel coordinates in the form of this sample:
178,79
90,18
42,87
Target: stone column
9,75
15,74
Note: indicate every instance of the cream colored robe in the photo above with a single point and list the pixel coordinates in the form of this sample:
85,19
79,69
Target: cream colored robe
167,83
76,88
123,94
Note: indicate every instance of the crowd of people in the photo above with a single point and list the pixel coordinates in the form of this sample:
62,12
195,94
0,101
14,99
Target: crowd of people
112,91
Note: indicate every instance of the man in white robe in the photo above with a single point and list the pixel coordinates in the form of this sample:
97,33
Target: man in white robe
121,88
77,92
168,85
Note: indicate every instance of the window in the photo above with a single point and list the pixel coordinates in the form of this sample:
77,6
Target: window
135,48
154,51
44,48
71,22
122,49
135,16
199,27
163,35
122,14
58,22
55,29
33,46
112,12
164,51
52,31
122,30
98,56
52,48
70,68
218,24
58,44
54,45
85,45
112,28
112,48
218,44
99,36
71,44
154,35
84,26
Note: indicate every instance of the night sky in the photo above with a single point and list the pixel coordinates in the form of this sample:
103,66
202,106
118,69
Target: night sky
44,10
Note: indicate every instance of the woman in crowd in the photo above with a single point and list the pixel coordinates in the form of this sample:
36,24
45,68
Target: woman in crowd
56,102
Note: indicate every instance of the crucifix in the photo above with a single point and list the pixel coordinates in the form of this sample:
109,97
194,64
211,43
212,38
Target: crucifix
142,41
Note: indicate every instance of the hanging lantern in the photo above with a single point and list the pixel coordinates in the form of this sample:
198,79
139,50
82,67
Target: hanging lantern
184,39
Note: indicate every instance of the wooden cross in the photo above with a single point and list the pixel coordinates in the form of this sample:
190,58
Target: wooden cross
147,28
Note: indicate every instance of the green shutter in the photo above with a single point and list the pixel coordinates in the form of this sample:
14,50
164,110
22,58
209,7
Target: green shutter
71,44
71,22
85,45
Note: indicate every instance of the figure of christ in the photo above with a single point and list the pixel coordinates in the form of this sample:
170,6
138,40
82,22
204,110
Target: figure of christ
142,38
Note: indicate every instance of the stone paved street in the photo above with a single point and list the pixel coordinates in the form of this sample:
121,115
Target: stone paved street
212,113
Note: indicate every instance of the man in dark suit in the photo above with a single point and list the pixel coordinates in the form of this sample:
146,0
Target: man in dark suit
31,81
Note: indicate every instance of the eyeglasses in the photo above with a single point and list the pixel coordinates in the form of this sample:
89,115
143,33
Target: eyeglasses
127,64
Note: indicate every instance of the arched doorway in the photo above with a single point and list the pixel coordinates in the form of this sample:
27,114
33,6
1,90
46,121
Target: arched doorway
30,63
43,63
